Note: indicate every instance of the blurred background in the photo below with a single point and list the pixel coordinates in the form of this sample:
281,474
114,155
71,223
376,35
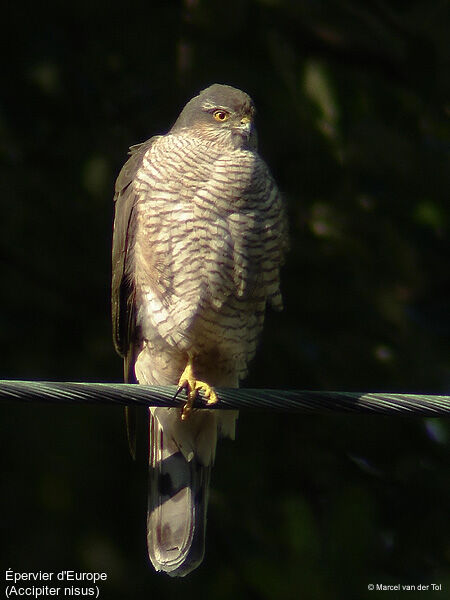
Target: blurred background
353,110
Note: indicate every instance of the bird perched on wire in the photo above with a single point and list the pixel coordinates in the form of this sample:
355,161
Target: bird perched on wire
199,238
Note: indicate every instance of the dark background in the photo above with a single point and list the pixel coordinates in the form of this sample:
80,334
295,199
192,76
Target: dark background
353,121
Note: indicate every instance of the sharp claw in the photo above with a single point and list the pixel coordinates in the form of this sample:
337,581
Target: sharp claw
189,383
180,389
212,397
188,406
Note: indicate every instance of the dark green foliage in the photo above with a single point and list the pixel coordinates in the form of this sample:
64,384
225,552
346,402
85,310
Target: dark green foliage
353,113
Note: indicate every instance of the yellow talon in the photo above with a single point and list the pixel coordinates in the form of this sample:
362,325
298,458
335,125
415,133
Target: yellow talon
192,385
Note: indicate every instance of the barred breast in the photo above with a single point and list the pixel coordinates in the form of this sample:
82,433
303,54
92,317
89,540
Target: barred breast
208,243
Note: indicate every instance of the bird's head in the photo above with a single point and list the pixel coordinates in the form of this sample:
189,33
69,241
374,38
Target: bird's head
221,114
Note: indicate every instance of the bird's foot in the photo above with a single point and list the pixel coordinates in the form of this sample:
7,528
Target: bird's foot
192,385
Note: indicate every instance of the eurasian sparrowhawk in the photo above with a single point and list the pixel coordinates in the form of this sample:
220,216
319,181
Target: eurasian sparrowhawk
199,237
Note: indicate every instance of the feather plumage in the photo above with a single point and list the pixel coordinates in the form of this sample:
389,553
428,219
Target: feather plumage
199,237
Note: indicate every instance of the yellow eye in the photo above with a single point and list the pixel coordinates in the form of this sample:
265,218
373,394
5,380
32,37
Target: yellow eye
220,115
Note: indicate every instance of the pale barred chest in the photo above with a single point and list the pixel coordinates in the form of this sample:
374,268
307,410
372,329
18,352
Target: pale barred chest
180,171
197,226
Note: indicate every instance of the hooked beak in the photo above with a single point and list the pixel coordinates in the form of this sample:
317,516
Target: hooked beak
245,127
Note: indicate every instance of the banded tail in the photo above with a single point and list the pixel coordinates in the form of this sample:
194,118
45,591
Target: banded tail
178,497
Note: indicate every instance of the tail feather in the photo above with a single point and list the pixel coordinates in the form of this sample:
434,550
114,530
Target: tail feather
178,500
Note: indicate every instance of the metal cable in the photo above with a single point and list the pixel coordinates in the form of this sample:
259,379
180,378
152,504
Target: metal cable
260,399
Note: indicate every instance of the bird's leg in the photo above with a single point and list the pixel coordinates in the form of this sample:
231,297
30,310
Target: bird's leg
192,385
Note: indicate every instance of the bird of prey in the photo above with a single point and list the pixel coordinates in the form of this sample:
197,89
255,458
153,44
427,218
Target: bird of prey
199,238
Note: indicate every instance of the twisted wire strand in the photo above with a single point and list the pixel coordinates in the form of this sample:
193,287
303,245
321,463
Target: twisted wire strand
229,398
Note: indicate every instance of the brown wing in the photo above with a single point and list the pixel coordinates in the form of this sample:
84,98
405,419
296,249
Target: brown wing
122,293
122,290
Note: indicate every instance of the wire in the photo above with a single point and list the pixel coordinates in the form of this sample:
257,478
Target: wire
229,398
